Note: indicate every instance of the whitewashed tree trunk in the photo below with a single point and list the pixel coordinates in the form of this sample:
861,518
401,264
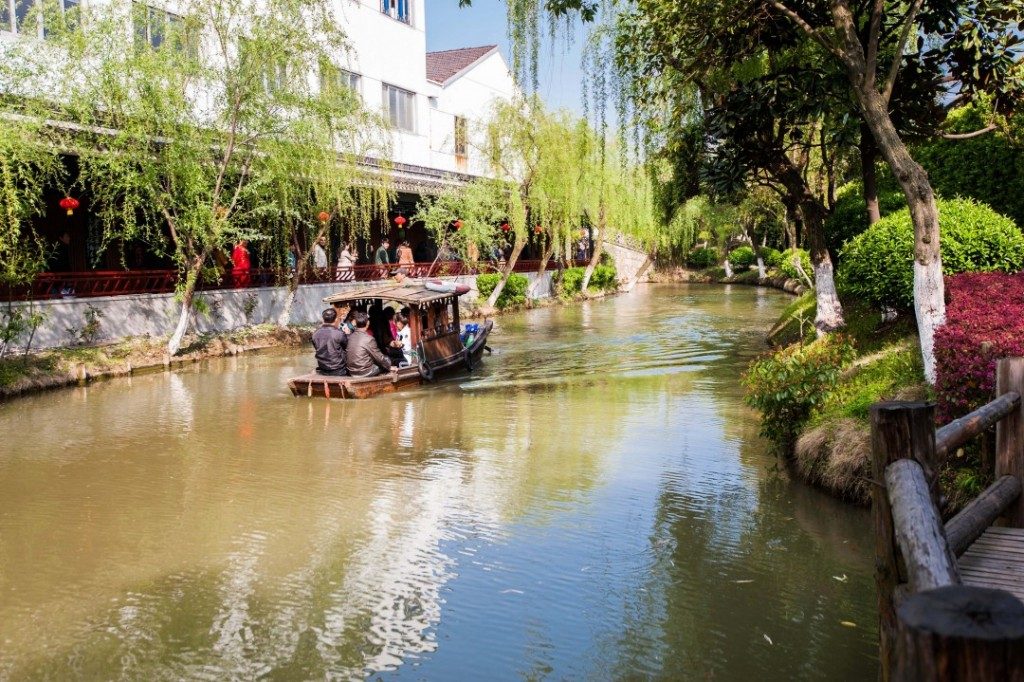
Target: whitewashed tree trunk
760,268
191,278
513,258
728,268
289,302
174,343
829,316
544,259
929,288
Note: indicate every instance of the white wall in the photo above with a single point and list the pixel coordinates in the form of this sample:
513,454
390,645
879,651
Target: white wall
155,314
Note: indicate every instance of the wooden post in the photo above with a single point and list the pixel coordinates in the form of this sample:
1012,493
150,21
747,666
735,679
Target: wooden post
961,633
455,313
1010,434
919,532
898,430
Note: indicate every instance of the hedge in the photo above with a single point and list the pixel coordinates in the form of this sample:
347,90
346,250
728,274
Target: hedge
605,277
878,265
704,257
514,293
790,271
849,218
984,322
742,258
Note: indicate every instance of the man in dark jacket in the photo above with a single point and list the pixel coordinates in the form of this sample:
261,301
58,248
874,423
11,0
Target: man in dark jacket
330,344
364,356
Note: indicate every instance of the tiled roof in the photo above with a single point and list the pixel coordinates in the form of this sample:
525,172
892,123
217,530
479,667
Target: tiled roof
444,65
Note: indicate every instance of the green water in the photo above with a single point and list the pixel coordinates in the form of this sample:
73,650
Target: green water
594,503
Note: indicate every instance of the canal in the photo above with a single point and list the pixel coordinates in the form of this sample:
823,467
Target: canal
594,502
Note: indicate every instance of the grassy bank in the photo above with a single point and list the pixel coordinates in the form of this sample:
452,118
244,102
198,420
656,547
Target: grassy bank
815,394
773,278
58,367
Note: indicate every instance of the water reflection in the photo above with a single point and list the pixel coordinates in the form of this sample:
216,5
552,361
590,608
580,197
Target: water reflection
593,502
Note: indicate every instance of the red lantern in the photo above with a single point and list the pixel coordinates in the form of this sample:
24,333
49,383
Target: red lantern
324,216
458,224
505,227
538,229
69,204
400,220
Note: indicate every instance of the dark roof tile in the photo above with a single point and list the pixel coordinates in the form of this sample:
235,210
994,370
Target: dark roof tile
443,65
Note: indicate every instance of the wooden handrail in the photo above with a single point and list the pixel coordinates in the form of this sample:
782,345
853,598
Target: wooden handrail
974,519
918,528
959,431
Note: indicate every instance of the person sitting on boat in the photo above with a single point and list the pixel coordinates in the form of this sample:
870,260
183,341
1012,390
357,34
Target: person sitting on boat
331,344
364,358
403,340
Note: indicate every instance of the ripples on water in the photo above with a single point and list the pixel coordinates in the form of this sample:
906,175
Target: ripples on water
594,502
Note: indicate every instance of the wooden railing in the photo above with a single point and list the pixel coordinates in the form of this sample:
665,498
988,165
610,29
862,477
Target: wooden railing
931,625
124,282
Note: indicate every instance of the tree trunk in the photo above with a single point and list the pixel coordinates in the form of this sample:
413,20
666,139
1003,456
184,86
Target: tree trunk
517,249
598,250
929,288
728,267
191,278
829,316
286,312
545,256
869,174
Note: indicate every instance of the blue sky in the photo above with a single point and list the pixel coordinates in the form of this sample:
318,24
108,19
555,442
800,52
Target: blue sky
449,27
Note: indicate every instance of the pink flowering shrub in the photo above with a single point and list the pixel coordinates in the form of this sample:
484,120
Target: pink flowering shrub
984,322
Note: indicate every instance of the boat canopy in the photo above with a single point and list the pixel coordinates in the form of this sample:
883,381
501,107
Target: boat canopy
415,294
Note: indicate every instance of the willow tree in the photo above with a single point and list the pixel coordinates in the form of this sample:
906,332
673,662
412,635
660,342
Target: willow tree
539,156
187,135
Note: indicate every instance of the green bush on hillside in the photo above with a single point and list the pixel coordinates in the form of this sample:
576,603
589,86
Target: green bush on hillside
788,385
742,257
514,293
790,271
772,257
849,217
701,258
878,265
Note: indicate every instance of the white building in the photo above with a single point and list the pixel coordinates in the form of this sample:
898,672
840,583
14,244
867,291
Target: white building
435,101
433,98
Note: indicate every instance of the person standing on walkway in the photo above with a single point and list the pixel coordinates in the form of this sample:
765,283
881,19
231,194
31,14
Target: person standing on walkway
320,260
381,257
346,261
240,264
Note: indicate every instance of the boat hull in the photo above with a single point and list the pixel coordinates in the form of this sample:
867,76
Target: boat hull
315,385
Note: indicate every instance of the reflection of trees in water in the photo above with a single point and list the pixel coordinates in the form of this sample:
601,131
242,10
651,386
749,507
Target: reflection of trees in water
697,615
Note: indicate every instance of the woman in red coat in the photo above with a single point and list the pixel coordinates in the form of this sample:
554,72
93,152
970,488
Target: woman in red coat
240,265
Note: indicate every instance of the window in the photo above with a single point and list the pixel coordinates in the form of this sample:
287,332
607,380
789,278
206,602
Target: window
153,26
28,21
400,107
333,77
461,136
398,9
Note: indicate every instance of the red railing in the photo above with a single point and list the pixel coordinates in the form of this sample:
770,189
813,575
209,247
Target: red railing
125,282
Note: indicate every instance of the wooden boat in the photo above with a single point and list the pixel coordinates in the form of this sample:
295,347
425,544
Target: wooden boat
435,334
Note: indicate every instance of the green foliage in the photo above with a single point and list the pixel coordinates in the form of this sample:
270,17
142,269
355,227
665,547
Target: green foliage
989,168
28,163
788,385
897,372
604,278
877,266
514,293
742,257
702,258
789,269
772,257
849,217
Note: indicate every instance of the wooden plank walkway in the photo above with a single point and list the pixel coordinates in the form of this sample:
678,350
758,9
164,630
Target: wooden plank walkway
996,559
